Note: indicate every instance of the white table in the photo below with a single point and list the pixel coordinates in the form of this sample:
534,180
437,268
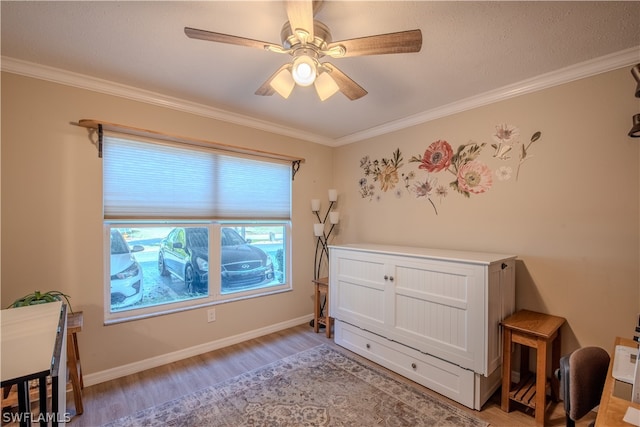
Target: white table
32,345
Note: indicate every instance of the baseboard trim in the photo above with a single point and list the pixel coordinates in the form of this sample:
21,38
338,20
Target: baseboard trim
132,368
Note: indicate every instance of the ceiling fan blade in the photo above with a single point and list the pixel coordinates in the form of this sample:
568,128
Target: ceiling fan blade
300,14
317,6
400,42
266,89
194,33
348,87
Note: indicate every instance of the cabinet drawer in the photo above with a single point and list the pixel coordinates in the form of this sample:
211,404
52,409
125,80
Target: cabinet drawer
440,376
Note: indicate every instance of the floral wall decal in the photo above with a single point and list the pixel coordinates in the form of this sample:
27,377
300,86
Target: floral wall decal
471,175
437,157
523,154
383,171
506,136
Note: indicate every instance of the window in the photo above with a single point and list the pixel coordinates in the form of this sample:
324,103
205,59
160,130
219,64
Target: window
189,227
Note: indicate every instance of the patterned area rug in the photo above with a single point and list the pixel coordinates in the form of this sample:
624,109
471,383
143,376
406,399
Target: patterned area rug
317,387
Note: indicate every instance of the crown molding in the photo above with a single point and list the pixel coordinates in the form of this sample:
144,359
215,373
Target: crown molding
82,81
578,71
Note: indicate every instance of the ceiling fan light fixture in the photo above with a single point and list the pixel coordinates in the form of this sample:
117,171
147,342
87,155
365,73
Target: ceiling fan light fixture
304,70
283,83
325,86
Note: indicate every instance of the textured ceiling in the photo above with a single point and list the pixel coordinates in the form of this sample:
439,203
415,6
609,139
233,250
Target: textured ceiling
469,49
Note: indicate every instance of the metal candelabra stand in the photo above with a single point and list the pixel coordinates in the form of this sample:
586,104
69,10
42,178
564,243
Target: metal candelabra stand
322,241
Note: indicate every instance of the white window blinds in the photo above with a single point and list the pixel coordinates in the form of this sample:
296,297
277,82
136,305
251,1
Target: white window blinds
152,180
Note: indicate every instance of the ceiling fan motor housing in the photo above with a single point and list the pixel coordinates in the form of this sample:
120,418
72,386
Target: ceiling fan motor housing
321,37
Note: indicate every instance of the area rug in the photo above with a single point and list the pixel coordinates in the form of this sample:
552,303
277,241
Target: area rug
317,387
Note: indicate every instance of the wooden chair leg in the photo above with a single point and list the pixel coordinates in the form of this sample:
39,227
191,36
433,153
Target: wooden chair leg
72,367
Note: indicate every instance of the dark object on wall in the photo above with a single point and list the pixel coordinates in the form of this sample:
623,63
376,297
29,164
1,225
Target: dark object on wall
582,375
635,71
635,130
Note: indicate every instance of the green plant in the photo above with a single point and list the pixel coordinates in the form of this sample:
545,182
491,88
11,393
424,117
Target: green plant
38,297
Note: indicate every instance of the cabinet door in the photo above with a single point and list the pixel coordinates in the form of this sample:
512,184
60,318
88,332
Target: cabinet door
358,289
501,303
438,309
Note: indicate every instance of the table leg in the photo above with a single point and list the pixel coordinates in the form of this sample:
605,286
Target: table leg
316,308
506,368
327,319
55,399
541,380
42,392
24,404
72,367
77,353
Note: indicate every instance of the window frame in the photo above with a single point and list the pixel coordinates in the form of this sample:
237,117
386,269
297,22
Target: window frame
218,178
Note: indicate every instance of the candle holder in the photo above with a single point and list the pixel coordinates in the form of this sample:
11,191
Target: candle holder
322,249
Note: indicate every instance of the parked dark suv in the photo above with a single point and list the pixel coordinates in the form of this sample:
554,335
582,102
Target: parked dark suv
184,253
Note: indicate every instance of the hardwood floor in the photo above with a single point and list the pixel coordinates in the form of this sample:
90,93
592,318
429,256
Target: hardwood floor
108,401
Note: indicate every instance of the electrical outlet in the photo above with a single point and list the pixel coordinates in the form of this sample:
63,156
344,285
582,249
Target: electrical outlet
211,315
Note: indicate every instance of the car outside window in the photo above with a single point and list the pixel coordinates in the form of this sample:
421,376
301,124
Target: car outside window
125,272
165,267
185,255
243,265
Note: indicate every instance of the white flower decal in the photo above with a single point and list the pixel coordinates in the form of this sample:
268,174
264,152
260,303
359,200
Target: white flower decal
506,136
504,173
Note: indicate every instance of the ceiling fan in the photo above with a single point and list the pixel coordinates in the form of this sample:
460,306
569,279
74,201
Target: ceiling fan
308,41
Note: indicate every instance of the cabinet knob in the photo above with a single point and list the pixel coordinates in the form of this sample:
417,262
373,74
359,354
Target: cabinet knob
391,278
368,346
414,366
386,277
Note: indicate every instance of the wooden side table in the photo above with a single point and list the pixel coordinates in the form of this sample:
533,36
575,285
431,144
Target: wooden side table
74,325
322,287
533,330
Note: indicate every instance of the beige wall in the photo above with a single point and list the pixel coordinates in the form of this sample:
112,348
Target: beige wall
572,217
52,210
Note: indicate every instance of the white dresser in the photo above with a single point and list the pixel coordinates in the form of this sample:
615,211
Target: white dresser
430,315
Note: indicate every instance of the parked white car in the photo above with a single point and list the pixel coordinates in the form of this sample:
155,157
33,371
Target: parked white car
126,273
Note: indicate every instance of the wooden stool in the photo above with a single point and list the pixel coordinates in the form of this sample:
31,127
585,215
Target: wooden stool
74,325
534,330
322,287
